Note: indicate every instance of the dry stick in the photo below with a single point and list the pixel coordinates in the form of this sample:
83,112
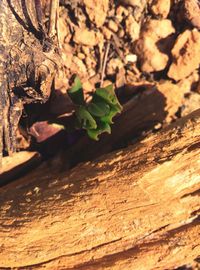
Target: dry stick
116,44
104,63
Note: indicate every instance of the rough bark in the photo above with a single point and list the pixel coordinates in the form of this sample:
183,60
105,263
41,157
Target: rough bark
28,63
132,209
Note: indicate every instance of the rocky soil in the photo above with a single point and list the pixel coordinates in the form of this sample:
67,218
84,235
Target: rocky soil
136,45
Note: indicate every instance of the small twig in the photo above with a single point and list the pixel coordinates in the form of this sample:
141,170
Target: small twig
117,44
104,63
54,5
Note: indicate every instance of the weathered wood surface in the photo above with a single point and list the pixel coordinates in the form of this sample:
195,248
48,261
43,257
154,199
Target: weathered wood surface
17,165
132,209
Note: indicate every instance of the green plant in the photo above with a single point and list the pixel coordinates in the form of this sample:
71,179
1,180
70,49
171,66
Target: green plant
97,115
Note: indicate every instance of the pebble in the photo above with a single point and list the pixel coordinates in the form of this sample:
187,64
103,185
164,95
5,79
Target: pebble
186,55
192,10
79,64
131,58
81,56
132,28
85,50
90,62
113,65
85,37
107,33
113,26
161,8
121,12
120,33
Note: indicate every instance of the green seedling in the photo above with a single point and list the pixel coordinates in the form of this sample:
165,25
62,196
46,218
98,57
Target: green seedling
97,115
85,118
76,92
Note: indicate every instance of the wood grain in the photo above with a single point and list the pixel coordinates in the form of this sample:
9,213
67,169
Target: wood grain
132,209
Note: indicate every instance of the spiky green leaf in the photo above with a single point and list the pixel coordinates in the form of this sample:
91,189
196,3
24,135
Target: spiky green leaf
98,109
85,118
76,92
108,94
102,128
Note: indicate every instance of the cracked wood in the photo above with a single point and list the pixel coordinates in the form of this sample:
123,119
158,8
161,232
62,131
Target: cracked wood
135,207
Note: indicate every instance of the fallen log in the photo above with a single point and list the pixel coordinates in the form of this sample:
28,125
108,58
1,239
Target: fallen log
137,208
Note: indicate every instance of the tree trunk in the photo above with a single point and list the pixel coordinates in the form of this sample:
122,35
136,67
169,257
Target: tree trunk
137,208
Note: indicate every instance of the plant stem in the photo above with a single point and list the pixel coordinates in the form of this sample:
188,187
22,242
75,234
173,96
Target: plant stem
104,63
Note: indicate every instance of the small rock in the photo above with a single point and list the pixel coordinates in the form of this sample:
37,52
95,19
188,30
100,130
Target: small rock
112,26
107,33
159,29
81,56
186,55
85,50
121,12
192,11
91,72
158,126
175,95
79,65
88,86
85,37
42,131
97,11
161,8
137,5
132,28
120,33
120,78
37,190
113,65
90,62
150,57
191,104
131,58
